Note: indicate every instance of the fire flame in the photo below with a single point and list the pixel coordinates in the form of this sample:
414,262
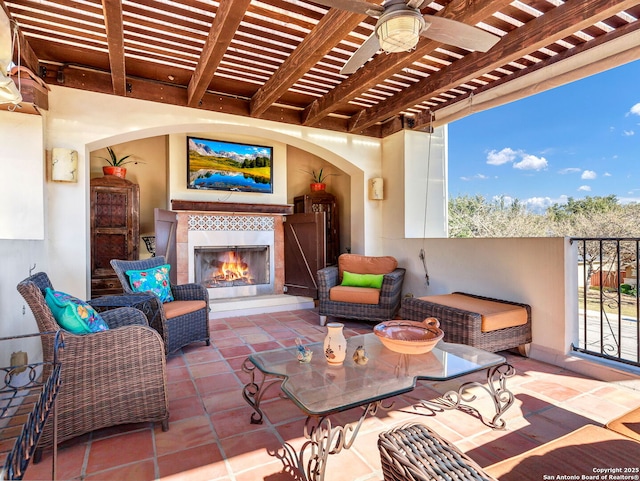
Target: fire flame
233,269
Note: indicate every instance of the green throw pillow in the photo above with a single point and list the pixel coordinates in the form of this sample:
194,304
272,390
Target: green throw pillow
362,280
155,280
72,314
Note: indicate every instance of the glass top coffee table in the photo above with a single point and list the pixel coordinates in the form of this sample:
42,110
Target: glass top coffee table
320,389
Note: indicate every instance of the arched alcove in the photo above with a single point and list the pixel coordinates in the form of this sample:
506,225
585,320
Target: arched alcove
159,160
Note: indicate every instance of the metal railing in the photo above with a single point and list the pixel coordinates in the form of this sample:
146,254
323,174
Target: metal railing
608,301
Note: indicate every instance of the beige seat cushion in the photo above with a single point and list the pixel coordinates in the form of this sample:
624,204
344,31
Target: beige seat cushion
358,264
178,308
627,424
495,315
579,453
356,295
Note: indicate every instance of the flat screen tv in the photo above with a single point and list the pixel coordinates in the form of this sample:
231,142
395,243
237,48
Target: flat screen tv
229,166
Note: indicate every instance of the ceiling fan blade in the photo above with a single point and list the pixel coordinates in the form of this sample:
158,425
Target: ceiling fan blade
367,50
458,34
356,6
415,3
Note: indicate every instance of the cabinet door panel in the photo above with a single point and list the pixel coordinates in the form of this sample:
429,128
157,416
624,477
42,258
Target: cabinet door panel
115,231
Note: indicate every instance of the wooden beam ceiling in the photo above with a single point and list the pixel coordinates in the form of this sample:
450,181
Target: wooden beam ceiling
555,25
280,59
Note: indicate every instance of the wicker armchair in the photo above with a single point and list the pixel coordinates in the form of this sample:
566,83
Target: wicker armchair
108,378
387,307
182,321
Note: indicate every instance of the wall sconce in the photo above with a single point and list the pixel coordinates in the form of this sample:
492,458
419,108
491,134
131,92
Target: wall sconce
64,165
376,188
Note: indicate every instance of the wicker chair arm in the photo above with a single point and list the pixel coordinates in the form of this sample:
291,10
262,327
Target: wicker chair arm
122,346
190,292
392,283
327,278
124,316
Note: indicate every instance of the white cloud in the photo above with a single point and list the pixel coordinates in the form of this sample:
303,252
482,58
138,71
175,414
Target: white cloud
588,175
585,188
607,174
498,158
635,110
475,177
531,162
569,170
526,162
628,133
540,204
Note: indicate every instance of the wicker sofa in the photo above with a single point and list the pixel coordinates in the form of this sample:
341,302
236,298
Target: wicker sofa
464,324
414,452
108,378
365,303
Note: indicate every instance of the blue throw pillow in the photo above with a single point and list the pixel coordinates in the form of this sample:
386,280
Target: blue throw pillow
155,280
72,314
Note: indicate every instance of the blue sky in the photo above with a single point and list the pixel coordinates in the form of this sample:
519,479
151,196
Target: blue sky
578,140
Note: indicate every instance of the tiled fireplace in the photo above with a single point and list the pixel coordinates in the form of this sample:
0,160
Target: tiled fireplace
234,255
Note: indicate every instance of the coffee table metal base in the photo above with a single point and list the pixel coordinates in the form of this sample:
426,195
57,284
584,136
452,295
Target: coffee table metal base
255,389
324,439
496,387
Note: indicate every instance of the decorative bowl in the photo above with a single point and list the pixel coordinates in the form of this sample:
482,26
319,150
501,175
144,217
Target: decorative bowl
409,337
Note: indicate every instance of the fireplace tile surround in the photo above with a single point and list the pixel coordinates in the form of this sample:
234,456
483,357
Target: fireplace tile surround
244,215
196,226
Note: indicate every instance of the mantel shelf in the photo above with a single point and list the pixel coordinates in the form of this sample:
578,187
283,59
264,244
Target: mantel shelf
282,209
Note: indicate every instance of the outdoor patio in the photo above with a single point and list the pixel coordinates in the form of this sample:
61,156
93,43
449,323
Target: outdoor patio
210,436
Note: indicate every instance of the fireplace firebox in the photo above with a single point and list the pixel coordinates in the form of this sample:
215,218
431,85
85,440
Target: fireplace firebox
231,266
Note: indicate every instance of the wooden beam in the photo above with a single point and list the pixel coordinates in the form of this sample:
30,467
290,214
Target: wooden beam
114,25
423,120
223,28
332,28
97,81
204,206
560,22
28,57
384,66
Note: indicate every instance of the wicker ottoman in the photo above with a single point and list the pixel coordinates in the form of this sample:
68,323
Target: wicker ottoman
466,327
416,453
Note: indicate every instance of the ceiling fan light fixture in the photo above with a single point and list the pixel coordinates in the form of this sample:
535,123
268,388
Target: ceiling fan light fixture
399,31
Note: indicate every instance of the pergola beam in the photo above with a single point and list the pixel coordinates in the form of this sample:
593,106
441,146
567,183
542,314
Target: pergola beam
555,25
223,28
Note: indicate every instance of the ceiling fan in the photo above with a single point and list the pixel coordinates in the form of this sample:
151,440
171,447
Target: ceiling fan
399,26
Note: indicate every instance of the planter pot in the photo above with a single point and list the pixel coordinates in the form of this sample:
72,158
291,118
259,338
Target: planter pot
117,171
317,186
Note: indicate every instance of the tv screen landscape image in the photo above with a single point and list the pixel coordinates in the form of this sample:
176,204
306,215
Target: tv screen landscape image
229,166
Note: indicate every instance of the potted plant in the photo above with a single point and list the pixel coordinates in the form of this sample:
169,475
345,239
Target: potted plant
319,179
116,164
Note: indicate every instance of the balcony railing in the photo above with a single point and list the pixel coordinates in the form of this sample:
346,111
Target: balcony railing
608,302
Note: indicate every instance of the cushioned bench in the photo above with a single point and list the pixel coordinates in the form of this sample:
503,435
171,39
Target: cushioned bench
482,322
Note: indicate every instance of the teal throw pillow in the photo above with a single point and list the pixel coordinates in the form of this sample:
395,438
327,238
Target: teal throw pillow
72,314
155,280
362,280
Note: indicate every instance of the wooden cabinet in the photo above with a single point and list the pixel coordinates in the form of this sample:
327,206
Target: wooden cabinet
323,201
115,230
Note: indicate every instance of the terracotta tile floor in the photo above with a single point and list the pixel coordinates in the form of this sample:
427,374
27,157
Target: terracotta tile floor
210,437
